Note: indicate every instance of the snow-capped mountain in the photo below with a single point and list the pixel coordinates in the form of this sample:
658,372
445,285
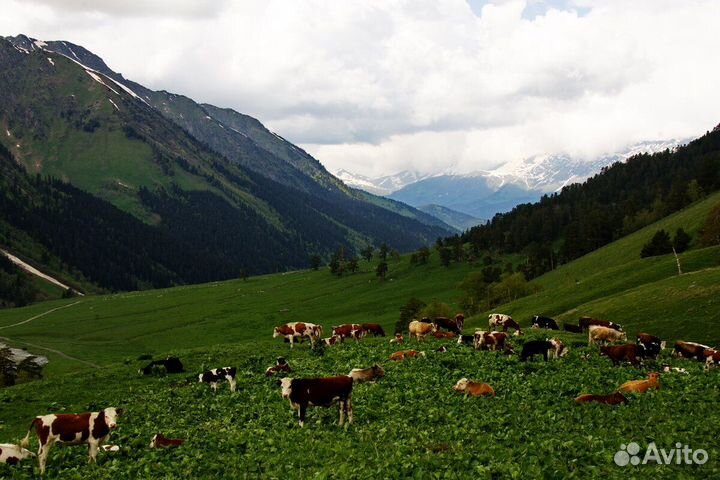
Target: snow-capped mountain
384,185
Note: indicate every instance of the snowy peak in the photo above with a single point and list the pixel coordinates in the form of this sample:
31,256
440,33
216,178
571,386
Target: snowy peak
381,185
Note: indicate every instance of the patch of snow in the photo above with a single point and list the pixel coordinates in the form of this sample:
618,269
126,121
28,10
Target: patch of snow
122,184
71,51
8,132
97,78
21,50
51,61
208,117
113,104
40,43
33,270
221,125
238,131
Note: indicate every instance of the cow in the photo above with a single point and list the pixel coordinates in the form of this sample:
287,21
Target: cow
586,322
546,348
349,330
559,349
170,365
444,335
420,329
616,398
489,340
332,340
455,325
651,344
406,353
320,392
366,374
597,333
569,327
712,358
631,352
374,328
161,441
399,339
92,428
505,321
217,375
13,454
690,350
669,369
466,340
641,386
473,389
293,330
544,322
281,365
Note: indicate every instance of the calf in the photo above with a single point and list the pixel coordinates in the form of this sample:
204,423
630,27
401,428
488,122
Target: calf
641,386
92,428
600,334
544,322
294,330
406,353
281,365
586,322
558,349
504,321
569,327
450,325
332,340
490,340
366,374
690,350
466,339
374,328
652,345
631,352
444,334
217,375
322,392
473,389
616,398
161,441
399,339
421,329
348,330
13,454
712,358
170,364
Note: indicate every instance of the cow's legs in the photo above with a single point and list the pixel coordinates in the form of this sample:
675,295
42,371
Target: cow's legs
342,406
233,384
301,413
214,386
92,452
292,337
43,454
348,407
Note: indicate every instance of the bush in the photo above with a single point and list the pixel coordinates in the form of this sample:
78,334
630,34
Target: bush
658,245
436,309
407,312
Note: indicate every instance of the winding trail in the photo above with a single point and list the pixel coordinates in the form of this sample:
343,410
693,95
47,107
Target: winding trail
40,347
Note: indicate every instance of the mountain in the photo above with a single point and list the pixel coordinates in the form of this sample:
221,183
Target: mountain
458,220
384,185
230,195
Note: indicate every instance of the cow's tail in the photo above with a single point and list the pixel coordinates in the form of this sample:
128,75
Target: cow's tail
25,442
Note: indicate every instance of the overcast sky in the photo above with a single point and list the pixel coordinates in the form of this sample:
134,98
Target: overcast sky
381,86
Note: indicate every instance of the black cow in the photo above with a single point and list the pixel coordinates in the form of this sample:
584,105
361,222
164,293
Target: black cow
536,347
170,364
569,327
544,322
466,339
216,375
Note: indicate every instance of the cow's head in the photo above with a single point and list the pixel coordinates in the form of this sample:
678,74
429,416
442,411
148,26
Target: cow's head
623,337
378,370
433,327
111,415
276,332
285,385
461,385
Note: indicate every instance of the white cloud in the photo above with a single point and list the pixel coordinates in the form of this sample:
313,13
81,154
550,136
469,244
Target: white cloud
380,86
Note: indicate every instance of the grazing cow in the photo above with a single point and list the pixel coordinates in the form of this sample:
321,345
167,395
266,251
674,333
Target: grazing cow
652,344
293,330
366,374
690,350
320,392
614,399
332,340
13,454
420,329
455,325
586,322
597,333
641,386
281,365
92,428
466,340
558,349
406,353
349,330
490,340
712,358
631,352
537,347
505,321
569,327
374,328
217,375
544,322
444,334
399,339
170,365
473,389
161,441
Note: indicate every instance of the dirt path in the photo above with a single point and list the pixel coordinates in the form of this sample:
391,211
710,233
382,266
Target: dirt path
36,272
40,347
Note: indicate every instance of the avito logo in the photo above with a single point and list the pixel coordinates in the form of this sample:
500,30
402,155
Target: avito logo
681,454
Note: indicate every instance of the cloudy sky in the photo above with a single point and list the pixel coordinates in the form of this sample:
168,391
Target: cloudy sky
379,86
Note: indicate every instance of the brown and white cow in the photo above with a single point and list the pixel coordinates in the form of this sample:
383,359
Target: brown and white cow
473,389
496,320
690,350
490,340
442,335
712,358
373,328
13,454
399,339
367,374
217,375
281,365
406,353
600,334
586,322
294,330
421,329
349,330
161,441
92,428
319,392
332,340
